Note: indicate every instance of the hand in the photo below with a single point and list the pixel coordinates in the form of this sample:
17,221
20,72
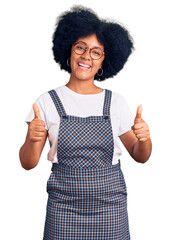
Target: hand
36,129
140,127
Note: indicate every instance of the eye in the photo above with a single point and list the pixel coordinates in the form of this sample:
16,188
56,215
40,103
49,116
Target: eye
79,47
96,52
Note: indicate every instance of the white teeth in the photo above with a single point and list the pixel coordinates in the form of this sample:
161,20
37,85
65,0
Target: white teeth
80,64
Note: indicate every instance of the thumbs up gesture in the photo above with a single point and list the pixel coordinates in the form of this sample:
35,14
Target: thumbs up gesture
140,127
36,129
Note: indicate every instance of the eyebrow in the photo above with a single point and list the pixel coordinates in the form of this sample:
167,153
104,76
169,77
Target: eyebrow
92,47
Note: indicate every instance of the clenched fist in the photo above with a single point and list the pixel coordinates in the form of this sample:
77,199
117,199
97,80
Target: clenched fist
140,127
36,129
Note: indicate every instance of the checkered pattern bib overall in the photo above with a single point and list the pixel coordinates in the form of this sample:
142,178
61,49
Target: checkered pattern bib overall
87,197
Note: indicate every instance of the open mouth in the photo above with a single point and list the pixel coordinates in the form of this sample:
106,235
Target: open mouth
84,66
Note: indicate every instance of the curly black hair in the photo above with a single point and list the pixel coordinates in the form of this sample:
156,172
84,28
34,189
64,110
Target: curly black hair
81,22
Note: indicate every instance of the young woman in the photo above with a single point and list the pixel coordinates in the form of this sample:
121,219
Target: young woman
87,195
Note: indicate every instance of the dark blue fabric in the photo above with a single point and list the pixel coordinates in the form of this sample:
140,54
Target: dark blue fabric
87,196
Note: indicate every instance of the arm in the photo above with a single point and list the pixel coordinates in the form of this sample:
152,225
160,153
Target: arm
137,141
139,151
31,151
36,137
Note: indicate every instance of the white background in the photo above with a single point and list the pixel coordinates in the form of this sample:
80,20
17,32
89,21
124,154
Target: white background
28,70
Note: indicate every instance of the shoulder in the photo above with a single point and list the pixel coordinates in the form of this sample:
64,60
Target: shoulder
45,96
118,103
117,98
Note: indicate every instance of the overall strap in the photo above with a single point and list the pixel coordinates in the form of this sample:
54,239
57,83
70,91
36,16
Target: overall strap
58,104
107,101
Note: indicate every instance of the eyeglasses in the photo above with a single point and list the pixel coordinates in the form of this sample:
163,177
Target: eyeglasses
80,48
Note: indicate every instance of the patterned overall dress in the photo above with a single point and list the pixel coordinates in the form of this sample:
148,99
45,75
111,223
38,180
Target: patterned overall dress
87,196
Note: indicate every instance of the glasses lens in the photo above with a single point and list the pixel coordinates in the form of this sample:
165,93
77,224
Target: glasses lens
96,53
79,48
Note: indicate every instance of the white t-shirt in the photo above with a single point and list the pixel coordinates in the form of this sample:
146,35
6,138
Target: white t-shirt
82,105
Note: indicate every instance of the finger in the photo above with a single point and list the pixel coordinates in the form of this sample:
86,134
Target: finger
40,129
39,134
39,122
142,139
138,114
137,126
140,131
141,135
36,111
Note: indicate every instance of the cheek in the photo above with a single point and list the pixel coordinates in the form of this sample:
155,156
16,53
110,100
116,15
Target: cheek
101,63
72,59
72,62
98,65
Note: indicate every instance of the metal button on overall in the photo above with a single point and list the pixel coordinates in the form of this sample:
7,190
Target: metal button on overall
87,196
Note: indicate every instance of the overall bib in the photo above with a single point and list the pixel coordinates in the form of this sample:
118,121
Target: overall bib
87,195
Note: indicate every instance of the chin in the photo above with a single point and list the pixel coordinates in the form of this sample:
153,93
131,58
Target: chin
83,77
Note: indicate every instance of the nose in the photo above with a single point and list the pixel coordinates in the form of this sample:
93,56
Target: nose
86,55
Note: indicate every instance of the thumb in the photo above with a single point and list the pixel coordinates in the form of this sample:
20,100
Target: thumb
138,114
36,111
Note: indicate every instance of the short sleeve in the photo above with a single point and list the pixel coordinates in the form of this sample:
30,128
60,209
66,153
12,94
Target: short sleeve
41,105
126,118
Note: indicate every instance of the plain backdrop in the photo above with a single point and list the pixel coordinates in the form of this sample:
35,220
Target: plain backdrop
28,70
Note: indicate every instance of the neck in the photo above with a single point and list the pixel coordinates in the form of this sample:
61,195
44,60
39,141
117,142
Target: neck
83,86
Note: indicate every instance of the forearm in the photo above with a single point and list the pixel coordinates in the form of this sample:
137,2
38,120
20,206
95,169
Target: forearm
142,151
29,156
31,151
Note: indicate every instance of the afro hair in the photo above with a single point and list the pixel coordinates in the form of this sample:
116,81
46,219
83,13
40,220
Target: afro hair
81,22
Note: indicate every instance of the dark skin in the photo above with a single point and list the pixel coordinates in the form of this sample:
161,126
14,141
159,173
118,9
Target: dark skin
137,141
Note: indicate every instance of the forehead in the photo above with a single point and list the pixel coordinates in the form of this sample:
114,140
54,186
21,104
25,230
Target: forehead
91,41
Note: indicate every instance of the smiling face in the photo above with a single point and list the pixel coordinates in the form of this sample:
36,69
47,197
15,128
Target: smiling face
83,67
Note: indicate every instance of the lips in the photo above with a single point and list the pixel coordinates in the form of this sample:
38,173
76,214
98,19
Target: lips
84,66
